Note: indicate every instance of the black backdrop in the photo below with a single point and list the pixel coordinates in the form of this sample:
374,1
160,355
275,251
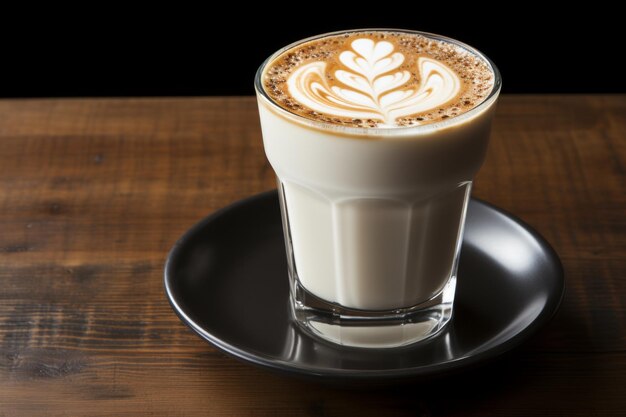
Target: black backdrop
191,51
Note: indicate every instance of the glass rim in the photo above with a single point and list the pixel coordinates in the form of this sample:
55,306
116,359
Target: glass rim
383,131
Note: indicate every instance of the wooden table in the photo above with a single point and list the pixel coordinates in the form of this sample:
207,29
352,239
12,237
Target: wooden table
94,192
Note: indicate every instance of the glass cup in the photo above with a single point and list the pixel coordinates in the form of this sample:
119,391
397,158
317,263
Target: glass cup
373,218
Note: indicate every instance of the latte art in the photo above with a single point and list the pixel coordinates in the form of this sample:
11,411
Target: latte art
377,79
370,87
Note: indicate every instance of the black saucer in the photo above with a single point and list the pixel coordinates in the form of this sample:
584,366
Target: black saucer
226,278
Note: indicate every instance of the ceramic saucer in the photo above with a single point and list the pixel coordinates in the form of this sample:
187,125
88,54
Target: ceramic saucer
226,278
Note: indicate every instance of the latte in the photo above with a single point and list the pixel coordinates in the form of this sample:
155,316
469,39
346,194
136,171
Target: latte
375,137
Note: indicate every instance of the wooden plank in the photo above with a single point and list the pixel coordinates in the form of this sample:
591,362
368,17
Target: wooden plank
93,193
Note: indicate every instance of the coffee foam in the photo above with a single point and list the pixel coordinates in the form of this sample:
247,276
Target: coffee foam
377,79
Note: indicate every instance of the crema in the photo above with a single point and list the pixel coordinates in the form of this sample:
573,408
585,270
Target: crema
377,79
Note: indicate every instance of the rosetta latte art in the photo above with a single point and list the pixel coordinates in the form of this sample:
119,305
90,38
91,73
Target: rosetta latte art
371,87
377,79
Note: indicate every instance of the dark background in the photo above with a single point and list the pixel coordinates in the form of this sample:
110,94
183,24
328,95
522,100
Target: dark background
182,51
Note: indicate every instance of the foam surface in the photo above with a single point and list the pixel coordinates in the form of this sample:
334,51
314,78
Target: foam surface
378,79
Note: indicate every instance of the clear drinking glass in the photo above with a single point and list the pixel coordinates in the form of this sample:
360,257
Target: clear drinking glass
373,218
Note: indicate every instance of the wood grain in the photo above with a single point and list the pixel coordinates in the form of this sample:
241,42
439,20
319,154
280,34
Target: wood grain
93,193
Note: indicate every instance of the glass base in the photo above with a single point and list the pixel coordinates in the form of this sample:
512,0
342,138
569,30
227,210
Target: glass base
371,329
